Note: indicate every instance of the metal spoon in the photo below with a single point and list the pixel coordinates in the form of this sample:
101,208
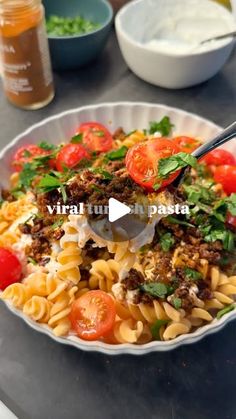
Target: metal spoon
226,135
219,37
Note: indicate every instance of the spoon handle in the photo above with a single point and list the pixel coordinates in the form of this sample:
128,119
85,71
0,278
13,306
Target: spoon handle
217,38
220,139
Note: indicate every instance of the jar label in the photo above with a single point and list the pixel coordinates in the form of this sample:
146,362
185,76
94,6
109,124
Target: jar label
27,73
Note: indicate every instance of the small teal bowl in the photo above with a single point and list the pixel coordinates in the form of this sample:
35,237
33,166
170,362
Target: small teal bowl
70,52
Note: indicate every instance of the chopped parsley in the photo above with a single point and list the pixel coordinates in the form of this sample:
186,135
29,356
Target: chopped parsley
31,260
164,126
77,139
47,146
118,154
156,186
166,242
49,182
155,328
99,170
99,133
169,165
27,153
227,237
96,188
177,303
69,26
57,224
224,311
197,192
192,274
174,220
157,289
26,176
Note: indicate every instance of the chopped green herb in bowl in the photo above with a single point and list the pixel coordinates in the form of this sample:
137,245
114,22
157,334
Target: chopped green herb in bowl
69,26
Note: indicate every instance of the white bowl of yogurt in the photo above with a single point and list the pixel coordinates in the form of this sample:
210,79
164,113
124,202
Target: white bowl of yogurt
160,40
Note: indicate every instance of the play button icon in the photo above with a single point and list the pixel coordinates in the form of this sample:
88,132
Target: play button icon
117,210
118,222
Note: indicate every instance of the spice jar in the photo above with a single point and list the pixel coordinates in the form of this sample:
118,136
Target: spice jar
27,73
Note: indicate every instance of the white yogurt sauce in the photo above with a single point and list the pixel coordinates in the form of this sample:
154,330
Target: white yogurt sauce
180,35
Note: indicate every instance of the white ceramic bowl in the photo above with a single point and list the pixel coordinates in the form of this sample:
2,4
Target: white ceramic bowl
166,69
129,115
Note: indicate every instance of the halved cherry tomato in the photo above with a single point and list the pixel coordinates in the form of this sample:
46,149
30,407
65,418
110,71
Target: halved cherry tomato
142,162
218,157
10,268
93,315
96,136
70,155
26,154
187,144
226,175
231,220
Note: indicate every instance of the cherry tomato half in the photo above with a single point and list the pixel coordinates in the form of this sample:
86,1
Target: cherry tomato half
93,315
226,175
96,136
70,155
142,162
187,144
10,268
26,154
219,157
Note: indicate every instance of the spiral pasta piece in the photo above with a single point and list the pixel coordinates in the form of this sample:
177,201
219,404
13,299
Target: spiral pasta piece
175,329
61,300
157,311
103,274
128,331
69,260
122,254
38,308
131,139
17,293
37,283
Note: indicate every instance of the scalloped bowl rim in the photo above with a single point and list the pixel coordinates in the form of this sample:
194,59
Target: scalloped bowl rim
126,348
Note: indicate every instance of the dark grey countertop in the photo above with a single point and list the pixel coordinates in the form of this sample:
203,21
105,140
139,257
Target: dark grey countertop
40,378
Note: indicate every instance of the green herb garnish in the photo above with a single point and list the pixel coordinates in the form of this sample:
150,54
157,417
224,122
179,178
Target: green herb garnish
26,176
224,311
99,170
156,186
27,153
157,289
177,303
96,188
164,126
69,26
99,133
31,260
197,192
174,220
57,224
169,165
77,139
192,274
166,242
47,146
155,328
48,183
117,154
